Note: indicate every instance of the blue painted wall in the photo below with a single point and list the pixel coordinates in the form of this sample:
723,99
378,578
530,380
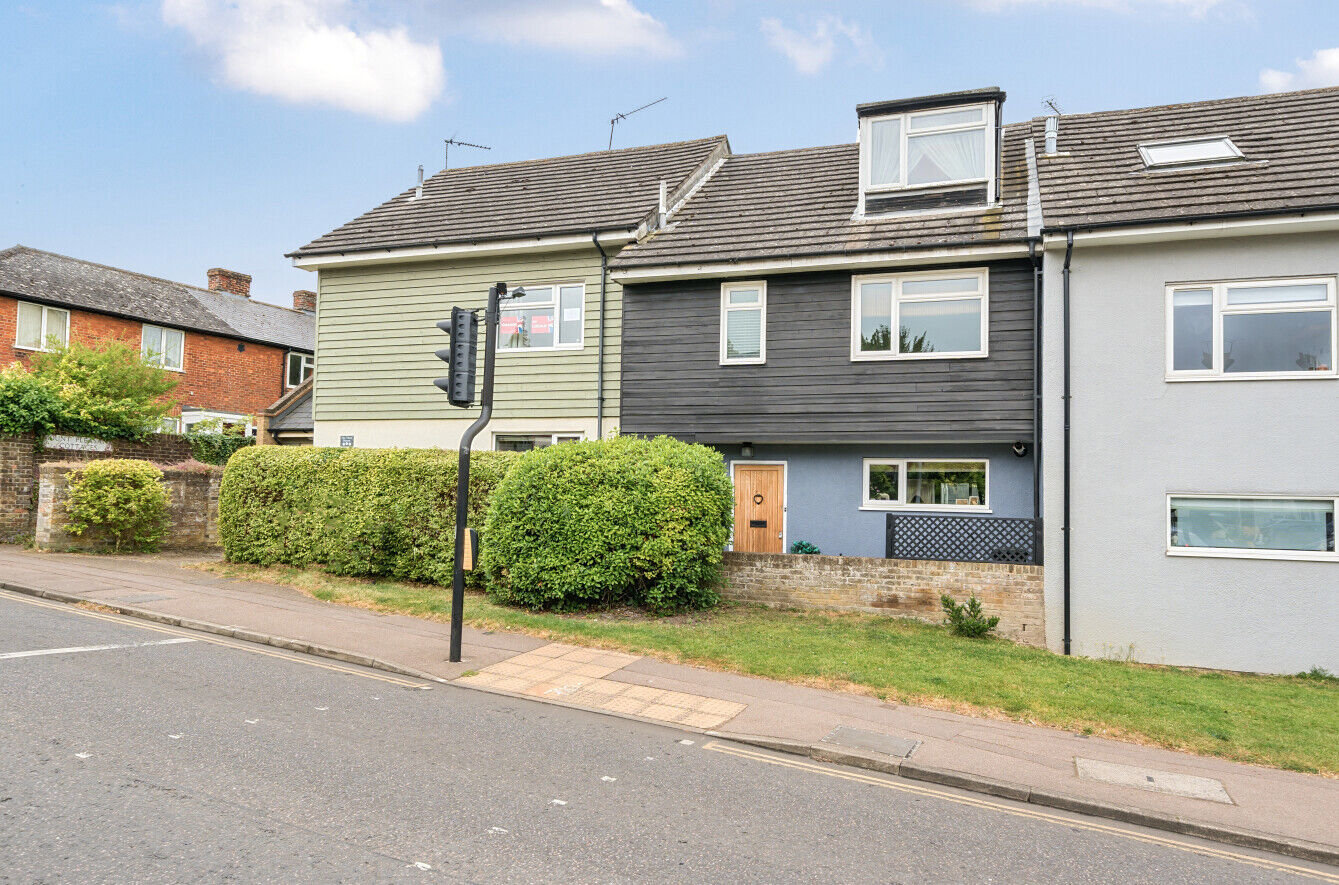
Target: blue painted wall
824,489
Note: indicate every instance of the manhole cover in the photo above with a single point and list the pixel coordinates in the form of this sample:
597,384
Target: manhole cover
859,739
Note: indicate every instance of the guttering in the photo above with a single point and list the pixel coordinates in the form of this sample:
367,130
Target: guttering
599,371
1037,537
1198,227
846,261
354,257
1065,529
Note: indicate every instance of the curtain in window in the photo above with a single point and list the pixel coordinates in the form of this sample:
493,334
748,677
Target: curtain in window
30,326
946,156
885,152
743,334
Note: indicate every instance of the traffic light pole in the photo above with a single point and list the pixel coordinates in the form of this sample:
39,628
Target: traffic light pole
495,295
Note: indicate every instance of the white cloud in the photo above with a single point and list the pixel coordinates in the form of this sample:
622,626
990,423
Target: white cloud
1194,7
586,27
308,52
1321,69
812,51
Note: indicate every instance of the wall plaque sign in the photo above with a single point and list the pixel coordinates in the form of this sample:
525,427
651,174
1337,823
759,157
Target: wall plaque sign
76,443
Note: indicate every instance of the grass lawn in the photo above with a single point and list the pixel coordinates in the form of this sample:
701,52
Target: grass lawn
1285,721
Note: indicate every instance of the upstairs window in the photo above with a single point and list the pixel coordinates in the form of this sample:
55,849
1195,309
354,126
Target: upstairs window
1189,152
41,327
1251,329
919,315
927,148
544,318
744,323
300,368
162,347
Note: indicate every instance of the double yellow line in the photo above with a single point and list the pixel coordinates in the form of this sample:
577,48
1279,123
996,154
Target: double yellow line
205,637
1020,811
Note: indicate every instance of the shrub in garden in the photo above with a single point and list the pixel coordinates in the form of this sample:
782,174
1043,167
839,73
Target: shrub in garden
121,500
601,522
967,619
27,403
107,391
213,442
365,512
805,548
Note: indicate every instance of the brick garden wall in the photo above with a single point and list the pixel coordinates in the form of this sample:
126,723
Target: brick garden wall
193,509
902,587
21,457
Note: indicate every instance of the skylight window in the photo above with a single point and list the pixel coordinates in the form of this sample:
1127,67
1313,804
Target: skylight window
1189,152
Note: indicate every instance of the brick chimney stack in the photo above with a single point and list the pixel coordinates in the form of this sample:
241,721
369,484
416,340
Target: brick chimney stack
304,299
222,280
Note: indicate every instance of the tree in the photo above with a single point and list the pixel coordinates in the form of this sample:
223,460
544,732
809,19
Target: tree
107,391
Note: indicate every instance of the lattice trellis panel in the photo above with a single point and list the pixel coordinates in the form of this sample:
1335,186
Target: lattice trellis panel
963,538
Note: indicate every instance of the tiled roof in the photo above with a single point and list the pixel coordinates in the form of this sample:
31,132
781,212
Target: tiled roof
802,203
608,190
293,411
73,282
1289,143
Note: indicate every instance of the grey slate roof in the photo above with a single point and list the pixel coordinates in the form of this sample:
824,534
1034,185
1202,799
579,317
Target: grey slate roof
72,282
1291,161
801,203
293,411
608,190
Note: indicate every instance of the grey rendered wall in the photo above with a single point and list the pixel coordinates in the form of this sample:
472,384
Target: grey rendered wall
1136,438
810,390
823,486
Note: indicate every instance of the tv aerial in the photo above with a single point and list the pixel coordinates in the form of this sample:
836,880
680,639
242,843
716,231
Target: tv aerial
446,150
619,117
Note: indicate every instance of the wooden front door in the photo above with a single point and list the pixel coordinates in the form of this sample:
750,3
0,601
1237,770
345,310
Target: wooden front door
760,507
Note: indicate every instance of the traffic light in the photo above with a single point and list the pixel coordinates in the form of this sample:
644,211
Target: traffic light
460,356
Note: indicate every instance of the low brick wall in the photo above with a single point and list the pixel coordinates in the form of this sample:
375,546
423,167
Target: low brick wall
902,587
193,509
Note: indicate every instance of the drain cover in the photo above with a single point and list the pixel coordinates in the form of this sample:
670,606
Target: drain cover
859,739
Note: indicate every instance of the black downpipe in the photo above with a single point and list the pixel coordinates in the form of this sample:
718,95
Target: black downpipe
599,370
1037,536
1069,252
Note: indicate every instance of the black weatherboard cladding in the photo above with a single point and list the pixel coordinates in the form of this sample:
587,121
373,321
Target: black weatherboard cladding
810,390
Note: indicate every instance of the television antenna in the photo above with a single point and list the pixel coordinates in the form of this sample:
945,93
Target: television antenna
617,117
446,150
1050,102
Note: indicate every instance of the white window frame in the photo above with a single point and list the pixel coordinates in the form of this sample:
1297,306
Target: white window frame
866,150
901,503
1220,308
47,311
1242,552
162,357
554,438
198,415
761,307
557,319
981,273
1150,163
308,367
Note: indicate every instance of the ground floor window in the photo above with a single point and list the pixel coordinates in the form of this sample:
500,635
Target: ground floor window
524,442
1251,526
201,421
895,484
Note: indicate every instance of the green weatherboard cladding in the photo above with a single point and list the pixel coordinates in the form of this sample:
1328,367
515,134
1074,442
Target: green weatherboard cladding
377,333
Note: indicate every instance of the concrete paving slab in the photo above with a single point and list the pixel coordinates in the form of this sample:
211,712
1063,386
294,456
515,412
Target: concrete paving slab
1190,786
859,739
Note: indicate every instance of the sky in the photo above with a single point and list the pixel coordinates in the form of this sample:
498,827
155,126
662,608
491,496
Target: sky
171,136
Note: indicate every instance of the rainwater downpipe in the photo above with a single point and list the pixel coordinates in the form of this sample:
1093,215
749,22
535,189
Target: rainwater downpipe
1037,537
1065,530
599,370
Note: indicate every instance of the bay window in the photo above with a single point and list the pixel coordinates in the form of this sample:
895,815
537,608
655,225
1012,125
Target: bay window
544,318
744,323
895,484
935,315
1251,526
1251,329
41,327
162,347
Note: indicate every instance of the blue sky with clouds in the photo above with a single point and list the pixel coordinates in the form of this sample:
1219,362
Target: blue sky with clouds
169,136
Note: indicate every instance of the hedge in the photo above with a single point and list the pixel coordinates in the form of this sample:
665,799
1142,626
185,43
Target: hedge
620,520
119,500
364,512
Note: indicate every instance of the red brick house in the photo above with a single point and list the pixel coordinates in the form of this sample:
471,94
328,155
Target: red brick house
236,356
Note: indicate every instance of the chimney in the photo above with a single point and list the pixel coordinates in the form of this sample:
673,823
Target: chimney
1052,133
223,280
304,299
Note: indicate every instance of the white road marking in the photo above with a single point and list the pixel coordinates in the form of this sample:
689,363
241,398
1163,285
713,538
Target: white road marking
497,831
686,742
80,648
252,721
608,780
175,737
323,708
82,755
422,866
557,802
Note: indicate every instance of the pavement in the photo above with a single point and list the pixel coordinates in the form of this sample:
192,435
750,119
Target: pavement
1243,805
133,751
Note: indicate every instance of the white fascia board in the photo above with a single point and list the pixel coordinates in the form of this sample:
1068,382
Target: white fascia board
817,263
1299,223
462,250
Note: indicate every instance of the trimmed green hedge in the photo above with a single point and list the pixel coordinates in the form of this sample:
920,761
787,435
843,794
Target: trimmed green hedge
620,520
121,501
364,512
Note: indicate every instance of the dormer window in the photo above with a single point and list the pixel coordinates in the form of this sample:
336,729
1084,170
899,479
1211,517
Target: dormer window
929,153
1189,152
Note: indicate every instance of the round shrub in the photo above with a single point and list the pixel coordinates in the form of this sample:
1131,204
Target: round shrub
602,522
121,500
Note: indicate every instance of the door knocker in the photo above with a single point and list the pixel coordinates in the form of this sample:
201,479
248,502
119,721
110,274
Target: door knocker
757,499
